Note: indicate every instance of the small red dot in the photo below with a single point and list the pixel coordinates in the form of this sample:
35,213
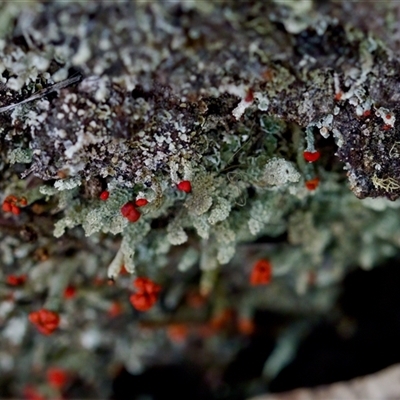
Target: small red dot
129,211
261,273
185,186
312,184
56,377
249,96
311,156
16,280
115,309
141,202
6,207
104,195
338,96
69,292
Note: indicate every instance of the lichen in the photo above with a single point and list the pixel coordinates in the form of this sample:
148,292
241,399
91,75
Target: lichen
133,99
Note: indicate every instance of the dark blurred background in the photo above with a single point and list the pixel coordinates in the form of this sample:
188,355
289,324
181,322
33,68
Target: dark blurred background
360,337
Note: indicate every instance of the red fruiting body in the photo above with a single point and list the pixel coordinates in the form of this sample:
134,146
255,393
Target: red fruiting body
31,393
249,96
261,273
11,198
69,292
146,285
386,127
177,332
366,113
129,211
338,96
115,309
222,319
56,377
246,326
141,202
15,280
147,294
312,184
143,301
104,195
311,156
6,207
46,321
15,209
12,203
185,186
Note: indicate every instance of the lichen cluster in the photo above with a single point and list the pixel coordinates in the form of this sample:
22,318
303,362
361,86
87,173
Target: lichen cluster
133,99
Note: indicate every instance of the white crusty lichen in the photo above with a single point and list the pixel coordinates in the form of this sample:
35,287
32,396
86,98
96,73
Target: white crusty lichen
198,203
226,253
261,213
61,225
20,155
200,199
47,190
202,226
67,184
176,234
220,211
278,172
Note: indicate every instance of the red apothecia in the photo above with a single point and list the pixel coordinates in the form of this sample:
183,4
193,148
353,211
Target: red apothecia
146,295
115,309
184,186
46,321
69,292
261,273
141,202
12,204
104,195
311,156
16,280
249,96
130,212
56,377
312,184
